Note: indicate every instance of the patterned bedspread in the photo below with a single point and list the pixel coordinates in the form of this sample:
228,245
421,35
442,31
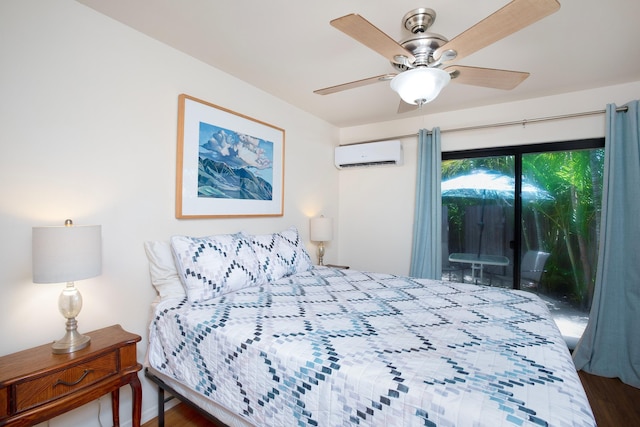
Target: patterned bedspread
334,347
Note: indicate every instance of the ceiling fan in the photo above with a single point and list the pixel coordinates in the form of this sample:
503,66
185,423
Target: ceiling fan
425,60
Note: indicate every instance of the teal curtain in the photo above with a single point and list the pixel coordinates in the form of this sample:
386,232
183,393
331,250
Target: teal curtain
610,345
426,254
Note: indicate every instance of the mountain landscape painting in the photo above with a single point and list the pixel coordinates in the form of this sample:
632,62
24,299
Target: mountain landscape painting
233,165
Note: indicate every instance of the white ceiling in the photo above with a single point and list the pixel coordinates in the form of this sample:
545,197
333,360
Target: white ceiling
287,48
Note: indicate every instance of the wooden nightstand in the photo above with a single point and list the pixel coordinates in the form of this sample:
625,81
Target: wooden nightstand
36,385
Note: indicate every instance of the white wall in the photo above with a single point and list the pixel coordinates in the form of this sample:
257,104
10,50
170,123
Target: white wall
377,204
88,122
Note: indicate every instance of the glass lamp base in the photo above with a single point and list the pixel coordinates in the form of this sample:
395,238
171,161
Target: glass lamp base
321,253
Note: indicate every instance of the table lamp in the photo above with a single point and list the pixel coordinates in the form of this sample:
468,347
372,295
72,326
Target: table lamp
321,231
66,254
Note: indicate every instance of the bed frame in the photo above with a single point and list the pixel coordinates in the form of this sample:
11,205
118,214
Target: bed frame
162,400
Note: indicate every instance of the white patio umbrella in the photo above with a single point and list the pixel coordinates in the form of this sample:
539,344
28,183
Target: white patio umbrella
489,185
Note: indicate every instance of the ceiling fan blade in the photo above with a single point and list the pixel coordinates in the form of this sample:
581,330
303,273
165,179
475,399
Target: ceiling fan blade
486,77
511,18
365,32
351,85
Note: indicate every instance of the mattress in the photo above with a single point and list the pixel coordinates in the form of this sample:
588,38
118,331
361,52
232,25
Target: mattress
330,347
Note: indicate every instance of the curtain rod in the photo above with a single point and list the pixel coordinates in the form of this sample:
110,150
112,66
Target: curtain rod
522,122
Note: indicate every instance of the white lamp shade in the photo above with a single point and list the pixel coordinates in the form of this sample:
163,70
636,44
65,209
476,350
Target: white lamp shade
321,229
420,85
66,254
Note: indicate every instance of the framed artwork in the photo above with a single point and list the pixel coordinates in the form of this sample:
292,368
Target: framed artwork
228,164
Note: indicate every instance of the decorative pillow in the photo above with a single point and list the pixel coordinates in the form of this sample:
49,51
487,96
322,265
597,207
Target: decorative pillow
212,266
162,268
280,254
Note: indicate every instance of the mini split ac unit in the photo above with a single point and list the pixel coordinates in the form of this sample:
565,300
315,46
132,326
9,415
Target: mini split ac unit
369,154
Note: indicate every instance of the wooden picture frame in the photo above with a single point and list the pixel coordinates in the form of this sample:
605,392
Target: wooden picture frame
228,164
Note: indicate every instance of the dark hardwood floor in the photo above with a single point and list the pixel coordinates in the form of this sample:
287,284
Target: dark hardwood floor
182,415
614,404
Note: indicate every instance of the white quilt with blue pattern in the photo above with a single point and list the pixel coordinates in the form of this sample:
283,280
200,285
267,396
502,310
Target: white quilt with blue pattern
332,347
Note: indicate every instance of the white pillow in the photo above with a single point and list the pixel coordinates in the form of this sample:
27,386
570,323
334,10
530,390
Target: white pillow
212,266
162,268
280,254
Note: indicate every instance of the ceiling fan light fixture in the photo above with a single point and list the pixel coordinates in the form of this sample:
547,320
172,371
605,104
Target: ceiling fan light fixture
420,85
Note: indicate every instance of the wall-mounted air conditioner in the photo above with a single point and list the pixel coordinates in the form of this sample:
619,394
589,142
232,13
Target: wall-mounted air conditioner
369,154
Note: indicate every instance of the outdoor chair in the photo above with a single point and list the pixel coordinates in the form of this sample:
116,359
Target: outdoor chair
531,270
452,270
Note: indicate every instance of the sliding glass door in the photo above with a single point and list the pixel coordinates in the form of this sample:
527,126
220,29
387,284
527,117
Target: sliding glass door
526,218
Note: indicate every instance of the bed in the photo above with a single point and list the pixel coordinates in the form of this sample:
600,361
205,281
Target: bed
246,329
